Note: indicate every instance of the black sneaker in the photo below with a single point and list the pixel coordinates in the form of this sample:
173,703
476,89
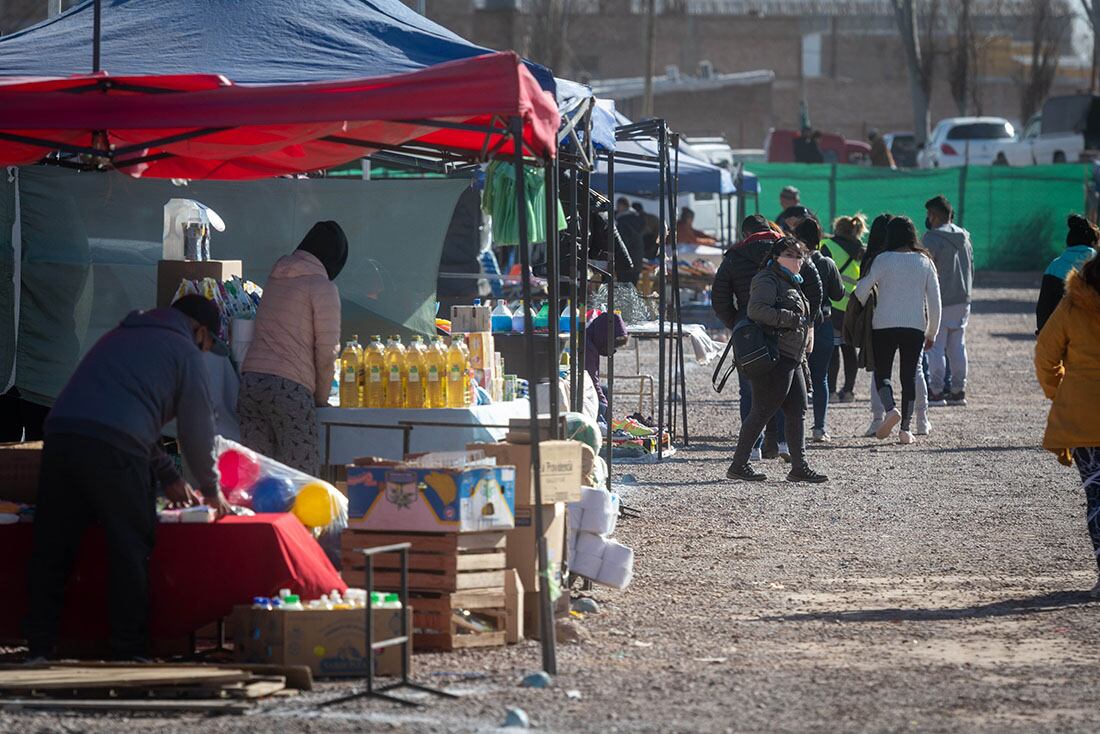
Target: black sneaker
956,398
744,472
803,473
937,398
771,448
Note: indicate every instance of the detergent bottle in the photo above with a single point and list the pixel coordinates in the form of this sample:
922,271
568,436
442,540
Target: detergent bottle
374,367
396,375
458,365
435,367
542,318
351,364
501,318
416,396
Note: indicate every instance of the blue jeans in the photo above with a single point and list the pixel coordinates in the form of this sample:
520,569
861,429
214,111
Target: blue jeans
777,426
819,371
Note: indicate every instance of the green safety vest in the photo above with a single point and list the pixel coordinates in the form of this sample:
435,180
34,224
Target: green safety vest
849,272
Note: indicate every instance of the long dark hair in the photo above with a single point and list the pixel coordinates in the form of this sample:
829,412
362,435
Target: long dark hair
901,236
876,242
809,231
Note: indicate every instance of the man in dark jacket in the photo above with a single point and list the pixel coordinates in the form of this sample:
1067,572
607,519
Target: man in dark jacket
631,228
649,235
596,346
102,455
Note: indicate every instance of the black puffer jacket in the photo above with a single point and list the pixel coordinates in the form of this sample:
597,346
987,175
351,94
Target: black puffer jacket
777,303
733,281
831,285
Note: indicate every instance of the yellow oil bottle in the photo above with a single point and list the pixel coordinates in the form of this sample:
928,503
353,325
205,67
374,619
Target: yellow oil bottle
374,367
435,368
416,395
395,373
458,375
351,363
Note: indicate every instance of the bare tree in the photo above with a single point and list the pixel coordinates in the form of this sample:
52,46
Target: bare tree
1047,27
961,71
919,58
548,31
1092,12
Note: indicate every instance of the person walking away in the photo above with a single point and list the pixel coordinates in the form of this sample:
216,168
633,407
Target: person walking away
686,234
776,303
881,157
906,318
730,300
631,229
845,248
102,456
287,372
809,233
789,197
650,237
953,256
1067,363
1081,242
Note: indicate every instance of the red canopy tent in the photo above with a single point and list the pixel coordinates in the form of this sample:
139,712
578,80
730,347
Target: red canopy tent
205,127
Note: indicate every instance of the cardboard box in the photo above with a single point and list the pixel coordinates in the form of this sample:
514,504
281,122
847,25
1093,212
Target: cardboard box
332,643
465,319
562,465
531,612
20,466
480,344
513,607
171,272
395,497
522,551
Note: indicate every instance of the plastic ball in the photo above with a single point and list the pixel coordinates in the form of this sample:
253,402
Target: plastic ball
237,470
315,506
272,494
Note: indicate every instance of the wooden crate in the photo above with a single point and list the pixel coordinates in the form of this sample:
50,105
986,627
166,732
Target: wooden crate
436,630
438,562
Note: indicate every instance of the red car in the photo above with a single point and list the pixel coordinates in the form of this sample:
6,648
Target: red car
779,148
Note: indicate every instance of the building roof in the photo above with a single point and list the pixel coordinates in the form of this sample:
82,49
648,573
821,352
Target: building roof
673,81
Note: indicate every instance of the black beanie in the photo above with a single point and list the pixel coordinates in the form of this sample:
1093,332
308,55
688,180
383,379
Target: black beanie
327,242
1081,231
199,309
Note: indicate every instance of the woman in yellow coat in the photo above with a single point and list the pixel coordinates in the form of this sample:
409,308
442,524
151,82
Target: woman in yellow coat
1067,363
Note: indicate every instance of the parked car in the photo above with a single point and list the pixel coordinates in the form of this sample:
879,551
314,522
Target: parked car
903,146
1066,127
961,141
779,145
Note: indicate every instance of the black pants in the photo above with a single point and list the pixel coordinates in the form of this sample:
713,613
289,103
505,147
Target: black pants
887,343
851,368
782,388
85,480
20,420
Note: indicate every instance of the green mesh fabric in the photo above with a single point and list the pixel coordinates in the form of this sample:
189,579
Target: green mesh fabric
1016,216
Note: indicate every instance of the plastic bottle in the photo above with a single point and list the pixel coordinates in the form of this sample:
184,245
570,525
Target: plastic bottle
284,593
416,396
563,364
351,364
565,321
292,603
501,318
458,377
388,601
261,602
435,368
518,324
361,375
374,368
542,318
395,373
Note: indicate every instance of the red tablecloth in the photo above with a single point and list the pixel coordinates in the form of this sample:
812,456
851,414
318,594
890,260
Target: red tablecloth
196,574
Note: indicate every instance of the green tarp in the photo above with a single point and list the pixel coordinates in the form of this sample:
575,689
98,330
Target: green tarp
1016,216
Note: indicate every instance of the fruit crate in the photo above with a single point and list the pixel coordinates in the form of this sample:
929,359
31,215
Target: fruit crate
439,563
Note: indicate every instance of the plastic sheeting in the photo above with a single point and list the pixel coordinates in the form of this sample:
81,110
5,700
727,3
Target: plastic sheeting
91,243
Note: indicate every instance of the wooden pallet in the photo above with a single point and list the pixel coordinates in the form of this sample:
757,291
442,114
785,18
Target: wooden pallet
438,562
92,682
436,629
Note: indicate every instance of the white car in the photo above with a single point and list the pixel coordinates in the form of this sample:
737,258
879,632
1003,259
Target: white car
962,141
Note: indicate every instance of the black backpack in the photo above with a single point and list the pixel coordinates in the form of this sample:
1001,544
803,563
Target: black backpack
755,348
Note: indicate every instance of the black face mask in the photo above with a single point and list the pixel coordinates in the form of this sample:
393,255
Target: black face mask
927,223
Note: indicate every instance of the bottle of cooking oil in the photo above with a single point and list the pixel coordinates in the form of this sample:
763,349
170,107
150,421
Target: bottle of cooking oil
395,373
416,394
458,377
351,363
361,376
374,367
435,368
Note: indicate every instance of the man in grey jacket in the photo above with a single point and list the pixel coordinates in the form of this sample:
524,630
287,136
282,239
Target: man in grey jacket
954,258
102,459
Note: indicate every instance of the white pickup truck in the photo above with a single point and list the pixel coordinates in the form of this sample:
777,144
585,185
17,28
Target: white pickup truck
1067,127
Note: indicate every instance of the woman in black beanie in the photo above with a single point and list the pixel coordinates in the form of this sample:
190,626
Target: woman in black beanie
1081,241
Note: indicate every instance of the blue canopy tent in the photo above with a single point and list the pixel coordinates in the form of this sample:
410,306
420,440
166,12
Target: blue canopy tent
571,94
696,176
247,41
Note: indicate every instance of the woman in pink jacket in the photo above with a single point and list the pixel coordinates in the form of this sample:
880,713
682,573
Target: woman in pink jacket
287,372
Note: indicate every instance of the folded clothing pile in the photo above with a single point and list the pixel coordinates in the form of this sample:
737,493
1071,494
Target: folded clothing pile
590,521
633,438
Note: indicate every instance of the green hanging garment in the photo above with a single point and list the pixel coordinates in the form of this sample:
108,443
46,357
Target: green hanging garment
499,201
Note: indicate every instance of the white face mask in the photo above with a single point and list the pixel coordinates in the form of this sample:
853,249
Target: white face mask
792,264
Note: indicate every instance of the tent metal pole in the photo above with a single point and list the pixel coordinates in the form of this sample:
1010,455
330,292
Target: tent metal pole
546,615
582,310
553,278
576,379
673,281
661,252
97,16
612,246
679,305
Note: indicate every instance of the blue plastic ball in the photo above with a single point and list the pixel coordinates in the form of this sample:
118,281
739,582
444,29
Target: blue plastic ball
272,494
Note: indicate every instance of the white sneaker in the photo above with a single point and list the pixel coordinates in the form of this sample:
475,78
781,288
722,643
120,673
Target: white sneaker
872,429
757,454
905,438
784,452
922,426
820,436
892,418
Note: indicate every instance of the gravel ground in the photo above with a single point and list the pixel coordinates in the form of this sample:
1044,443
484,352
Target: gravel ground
935,587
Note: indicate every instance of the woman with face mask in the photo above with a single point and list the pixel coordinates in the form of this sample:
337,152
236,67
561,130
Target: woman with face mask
906,319
777,304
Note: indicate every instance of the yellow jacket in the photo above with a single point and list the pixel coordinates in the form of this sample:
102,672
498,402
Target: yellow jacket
1067,363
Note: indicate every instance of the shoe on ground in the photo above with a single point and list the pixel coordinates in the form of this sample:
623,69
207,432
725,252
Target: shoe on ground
784,452
937,398
756,455
834,397
872,430
744,472
803,473
1094,592
905,437
957,399
821,437
921,425
771,449
891,420
847,396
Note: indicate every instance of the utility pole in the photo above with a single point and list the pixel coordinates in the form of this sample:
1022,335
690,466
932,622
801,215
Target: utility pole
53,7
650,56
421,7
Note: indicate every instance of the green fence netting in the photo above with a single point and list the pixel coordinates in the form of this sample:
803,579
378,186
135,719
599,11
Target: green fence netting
1016,216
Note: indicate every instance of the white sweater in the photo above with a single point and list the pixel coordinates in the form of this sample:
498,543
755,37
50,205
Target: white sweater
908,292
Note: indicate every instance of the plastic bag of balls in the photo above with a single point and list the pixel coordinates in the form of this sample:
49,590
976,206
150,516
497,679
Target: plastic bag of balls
249,479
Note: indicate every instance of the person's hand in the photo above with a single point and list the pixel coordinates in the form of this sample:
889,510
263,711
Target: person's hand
180,494
219,504
928,344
